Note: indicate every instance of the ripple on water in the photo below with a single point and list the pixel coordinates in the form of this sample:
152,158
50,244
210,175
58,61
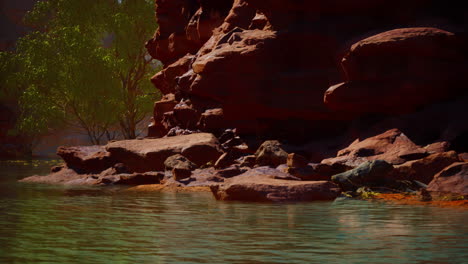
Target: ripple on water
85,225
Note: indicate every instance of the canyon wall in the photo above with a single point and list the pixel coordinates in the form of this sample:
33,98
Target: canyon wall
301,70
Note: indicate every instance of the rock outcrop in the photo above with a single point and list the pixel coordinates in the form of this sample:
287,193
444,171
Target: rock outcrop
392,146
268,64
423,170
399,71
86,159
241,76
270,185
453,179
150,154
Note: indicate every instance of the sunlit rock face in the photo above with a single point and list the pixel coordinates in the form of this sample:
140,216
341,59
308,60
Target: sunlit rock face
268,63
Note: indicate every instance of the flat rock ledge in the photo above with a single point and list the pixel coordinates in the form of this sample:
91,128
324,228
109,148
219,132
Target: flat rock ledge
149,154
265,184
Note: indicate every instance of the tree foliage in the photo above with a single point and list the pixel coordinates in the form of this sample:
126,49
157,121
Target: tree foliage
85,65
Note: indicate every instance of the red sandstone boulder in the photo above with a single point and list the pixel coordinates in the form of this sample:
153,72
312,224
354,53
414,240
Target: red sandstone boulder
166,104
421,53
423,170
165,80
212,120
437,147
269,185
263,87
399,71
241,15
172,17
453,179
86,159
259,82
150,154
392,146
296,161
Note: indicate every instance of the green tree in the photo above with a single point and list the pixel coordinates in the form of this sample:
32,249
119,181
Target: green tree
85,66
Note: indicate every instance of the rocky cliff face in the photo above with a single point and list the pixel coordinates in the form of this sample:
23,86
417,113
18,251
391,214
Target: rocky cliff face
305,70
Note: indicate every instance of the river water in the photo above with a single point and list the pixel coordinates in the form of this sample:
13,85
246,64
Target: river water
56,224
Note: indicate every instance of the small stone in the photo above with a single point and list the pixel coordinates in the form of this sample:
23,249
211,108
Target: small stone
181,173
270,153
180,162
296,161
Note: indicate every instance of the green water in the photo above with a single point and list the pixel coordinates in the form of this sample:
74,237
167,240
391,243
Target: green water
53,224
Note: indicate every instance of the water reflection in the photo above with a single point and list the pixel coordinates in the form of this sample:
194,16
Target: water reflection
85,225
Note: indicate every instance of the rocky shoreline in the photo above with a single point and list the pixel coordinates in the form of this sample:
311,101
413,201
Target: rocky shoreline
298,101
269,173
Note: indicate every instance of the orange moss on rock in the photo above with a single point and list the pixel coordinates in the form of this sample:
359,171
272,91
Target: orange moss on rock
408,199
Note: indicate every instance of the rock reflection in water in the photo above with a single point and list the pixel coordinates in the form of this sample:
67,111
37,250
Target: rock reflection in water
66,225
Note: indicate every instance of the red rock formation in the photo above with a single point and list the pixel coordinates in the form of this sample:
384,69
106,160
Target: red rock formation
268,63
423,170
398,71
150,154
392,146
86,159
453,179
269,185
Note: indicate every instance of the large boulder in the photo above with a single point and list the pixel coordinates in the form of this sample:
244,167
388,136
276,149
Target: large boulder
423,170
265,184
398,71
240,64
418,52
453,179
86,159
392,146
370,173
150,154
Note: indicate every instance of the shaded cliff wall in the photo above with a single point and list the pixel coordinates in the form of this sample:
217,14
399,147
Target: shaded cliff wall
263,66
